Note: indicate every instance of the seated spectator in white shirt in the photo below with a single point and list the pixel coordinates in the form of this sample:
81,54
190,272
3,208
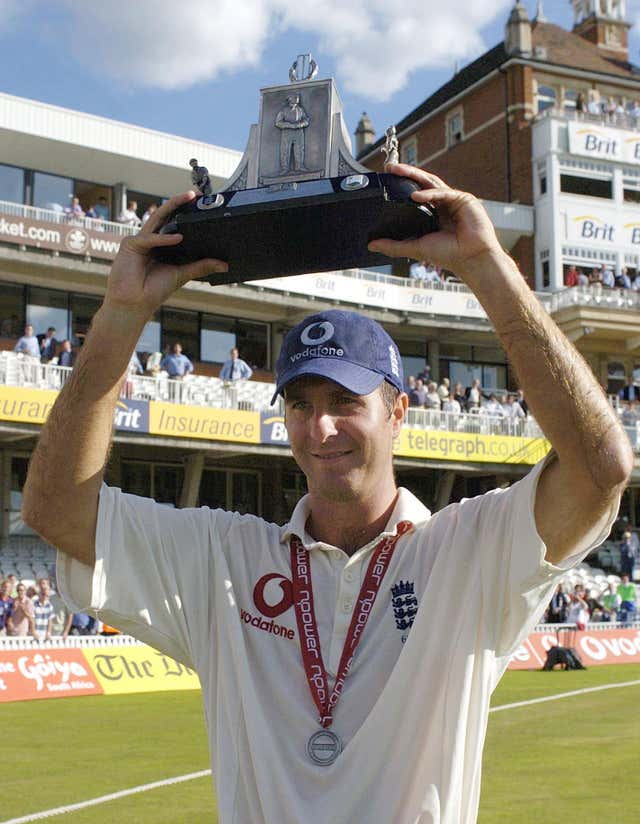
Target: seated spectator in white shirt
176,364
418,270
493,407
432,399
451,405
515,410
444,389
28,343
130,215
235,369
410,383
583,280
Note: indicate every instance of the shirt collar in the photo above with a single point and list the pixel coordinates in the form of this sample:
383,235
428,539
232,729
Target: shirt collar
407,508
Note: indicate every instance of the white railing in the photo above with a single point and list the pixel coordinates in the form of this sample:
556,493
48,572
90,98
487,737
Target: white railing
72,642
622,121
595,295
54,216
476,422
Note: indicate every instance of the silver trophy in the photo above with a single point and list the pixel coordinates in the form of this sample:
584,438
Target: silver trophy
298,200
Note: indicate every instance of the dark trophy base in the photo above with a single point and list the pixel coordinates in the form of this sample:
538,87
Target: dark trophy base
298,227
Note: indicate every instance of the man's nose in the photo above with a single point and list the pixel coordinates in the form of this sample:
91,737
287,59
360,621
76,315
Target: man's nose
323,425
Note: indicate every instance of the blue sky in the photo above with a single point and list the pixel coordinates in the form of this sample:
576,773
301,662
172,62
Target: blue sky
194,67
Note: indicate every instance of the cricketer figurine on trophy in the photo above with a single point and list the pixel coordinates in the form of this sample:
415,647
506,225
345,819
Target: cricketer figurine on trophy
298,201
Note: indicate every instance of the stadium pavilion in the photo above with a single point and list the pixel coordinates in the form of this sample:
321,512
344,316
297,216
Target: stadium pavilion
562,186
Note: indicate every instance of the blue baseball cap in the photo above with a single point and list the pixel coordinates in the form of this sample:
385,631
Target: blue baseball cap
344,347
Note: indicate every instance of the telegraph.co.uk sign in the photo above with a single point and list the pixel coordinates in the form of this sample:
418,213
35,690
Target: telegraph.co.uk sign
604,143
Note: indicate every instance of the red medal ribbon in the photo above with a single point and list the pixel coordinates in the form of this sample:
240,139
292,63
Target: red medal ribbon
308,627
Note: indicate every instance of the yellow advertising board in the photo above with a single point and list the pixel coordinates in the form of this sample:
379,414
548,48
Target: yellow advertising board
465,446
138,669
26,405
177,421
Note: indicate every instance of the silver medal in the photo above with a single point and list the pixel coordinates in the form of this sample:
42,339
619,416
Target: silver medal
324,747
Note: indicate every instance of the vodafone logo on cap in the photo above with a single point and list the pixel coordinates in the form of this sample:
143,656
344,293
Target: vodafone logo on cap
325,328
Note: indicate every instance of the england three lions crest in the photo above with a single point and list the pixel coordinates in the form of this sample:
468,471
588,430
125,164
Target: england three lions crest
405,606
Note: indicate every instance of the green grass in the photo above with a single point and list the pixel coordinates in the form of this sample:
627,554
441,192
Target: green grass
574,758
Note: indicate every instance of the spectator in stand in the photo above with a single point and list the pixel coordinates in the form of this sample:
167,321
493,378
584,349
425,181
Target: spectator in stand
458,394
521,401
558,606
473,395
129,216
514,408
596,607
610,604
432,274
410,384
628,555
99,210
608,277
235,369
20,620
593,106
418,270
418,395
444,390
452,408
66,356
571,276
493,407
75,210
634,112
635,282
28,343
583,280
432,398
5,604
48,344
13,585
43,611
581,105
150,210
176,364
79,623
578,612
627,593
60,610
152,365
595,276
135,367
623,281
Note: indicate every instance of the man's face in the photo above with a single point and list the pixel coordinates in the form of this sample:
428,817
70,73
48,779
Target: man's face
5,589
67,346
342,442
177,349
21,591
43,587
28,330
234,354
625,579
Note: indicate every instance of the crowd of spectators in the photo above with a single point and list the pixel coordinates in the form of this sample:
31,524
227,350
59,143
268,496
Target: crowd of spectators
602,275
45,347
579,606
608,109
427,394
39,612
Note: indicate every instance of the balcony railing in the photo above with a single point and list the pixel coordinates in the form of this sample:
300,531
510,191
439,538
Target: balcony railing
595,295
622,121
62,217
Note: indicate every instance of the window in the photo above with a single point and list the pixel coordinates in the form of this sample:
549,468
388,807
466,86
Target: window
219,334
213,489
546,97
546,279
149,340
51,191
83,308
543,185
632,195
570,98
615,378
233,490
409,152
136,478
490,376
11,310
11,184
181,327
588,186
48,307
162,482
454,127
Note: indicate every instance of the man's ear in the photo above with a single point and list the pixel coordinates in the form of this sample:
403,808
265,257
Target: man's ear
399,412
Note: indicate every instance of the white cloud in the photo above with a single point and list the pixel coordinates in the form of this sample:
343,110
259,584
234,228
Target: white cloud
174,44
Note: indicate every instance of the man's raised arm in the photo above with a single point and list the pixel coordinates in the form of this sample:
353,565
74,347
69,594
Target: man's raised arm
60,497
594,454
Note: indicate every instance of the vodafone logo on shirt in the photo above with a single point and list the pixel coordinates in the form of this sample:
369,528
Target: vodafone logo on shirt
273,607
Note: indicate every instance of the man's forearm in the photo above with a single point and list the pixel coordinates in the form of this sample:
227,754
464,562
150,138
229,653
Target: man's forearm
67,466
560,389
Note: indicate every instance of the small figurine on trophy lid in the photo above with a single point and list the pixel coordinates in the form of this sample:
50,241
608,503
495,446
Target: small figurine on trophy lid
390,147
200,178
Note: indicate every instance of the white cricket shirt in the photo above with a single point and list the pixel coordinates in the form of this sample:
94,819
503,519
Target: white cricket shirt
213,590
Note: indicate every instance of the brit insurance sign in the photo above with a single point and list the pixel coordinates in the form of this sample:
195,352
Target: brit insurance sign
603,143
